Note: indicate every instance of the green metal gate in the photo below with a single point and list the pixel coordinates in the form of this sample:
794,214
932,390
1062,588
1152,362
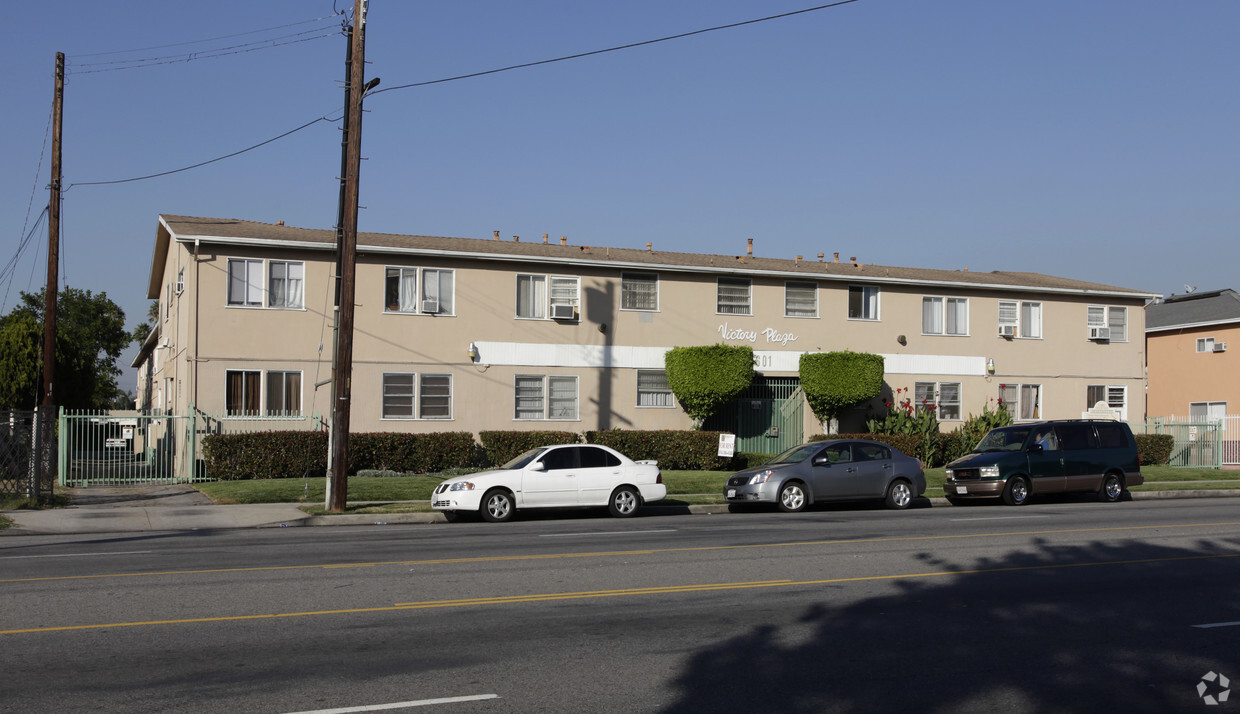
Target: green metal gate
766,418
1198,442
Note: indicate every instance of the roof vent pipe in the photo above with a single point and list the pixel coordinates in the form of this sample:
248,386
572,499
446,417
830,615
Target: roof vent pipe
545,236
495,235
563,240
749,250
516,239
648,245
820,257
837,254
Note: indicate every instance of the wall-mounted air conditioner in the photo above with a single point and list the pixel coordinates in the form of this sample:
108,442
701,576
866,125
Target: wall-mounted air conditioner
179,286
430,306
563,312
1099,333
1007,330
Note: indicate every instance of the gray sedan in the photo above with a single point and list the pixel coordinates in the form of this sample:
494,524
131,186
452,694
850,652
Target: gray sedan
844,470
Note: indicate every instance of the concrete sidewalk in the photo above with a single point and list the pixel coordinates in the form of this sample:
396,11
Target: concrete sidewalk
179,507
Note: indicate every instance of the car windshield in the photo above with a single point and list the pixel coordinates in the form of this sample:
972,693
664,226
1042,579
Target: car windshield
1009,438
795,454
521,461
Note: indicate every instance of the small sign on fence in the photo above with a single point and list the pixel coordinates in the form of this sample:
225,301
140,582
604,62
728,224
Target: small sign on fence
727,445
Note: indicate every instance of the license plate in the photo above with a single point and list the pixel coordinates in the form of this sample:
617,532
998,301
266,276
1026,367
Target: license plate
962,489
731,493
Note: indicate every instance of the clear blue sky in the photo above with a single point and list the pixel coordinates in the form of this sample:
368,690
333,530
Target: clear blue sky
1093,140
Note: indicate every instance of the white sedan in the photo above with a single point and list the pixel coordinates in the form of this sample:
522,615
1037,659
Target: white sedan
565,476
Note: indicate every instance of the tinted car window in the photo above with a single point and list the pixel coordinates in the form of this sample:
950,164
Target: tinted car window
1045,437
1074,437
871,452
1111,436
838,453
593,457
561,459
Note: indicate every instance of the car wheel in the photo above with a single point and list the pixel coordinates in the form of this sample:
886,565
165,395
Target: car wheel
624,502
497,506
899,494
1017,491
792,497
1112,488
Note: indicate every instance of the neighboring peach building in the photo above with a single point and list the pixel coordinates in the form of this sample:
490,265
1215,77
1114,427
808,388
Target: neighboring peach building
1193,358
466,334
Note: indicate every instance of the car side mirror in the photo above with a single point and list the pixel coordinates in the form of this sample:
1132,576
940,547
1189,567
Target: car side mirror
821,461
538,466
1034,449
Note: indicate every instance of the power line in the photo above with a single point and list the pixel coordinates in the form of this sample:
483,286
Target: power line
617,48
203,54
209,39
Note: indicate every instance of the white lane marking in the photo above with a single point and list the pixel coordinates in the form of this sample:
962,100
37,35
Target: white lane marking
400,705
998,518
1219,624
75,555
565,535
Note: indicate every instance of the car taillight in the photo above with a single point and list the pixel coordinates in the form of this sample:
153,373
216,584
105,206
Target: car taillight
659,478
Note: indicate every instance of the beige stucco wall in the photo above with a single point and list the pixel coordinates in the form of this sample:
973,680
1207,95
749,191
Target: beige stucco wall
200,351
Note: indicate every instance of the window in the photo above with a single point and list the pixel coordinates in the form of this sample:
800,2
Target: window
243,392
1205,344
539,397
639,291
1024,318
1023,401
800,299
732,296
400,291
1202,411
245,282
285,283
1115,319
1114,397
533,298
944,316
437,292
862,302
283,393
944,397
652,389
432,393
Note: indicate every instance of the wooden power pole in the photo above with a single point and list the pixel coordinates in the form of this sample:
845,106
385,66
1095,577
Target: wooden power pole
338,484
45,419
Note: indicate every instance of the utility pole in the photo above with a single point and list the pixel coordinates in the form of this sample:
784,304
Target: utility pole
338,484
46,418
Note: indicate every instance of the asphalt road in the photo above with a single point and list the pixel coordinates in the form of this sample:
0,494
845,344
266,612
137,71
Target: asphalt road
1061,606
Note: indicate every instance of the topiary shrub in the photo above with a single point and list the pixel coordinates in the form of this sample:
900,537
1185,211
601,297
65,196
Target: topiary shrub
705,378
835,381
1154,448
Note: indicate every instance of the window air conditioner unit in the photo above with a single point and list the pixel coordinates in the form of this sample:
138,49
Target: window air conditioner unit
563,312
1007,330
430,306
1099,333
1220,346
178,286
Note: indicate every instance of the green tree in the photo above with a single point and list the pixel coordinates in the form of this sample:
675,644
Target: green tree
835,381
90,334
707,377
144,329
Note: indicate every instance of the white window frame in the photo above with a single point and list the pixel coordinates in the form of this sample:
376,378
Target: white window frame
940,397
1209,408
292,286
938,311
413,399
257,282
259,401
284,395
437,277
251,282
545,385
1205,344
1112,317
635,288
735,283
870,302
801,285
419,281
1026,329
653,395
1109,393
564,290
1016,407
551,292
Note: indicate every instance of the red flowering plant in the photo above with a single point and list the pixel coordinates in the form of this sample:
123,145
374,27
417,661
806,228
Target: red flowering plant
905,417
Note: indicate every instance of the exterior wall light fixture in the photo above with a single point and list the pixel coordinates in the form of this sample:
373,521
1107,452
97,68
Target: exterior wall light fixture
990,366
473,352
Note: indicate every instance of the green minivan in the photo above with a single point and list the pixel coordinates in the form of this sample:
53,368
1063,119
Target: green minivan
1015,462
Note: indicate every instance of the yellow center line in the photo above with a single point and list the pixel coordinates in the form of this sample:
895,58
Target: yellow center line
618,553
653,590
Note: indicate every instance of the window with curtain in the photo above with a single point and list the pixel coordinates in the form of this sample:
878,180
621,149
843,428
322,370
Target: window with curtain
532,296
1023,401
652,389
943,396
437,290
862,302
1031,319
243,392
435,396
733,296
283,393
800,299
245,282
285,284
639,291
400,290
944,316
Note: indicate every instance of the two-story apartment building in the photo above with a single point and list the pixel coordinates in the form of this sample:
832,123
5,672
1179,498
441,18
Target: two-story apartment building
466,334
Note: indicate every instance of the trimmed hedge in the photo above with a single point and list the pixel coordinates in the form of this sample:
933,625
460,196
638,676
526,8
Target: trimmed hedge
674,450
269,454
1154,448
411,453
500,447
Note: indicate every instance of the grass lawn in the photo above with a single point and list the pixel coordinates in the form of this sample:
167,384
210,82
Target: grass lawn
683,487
